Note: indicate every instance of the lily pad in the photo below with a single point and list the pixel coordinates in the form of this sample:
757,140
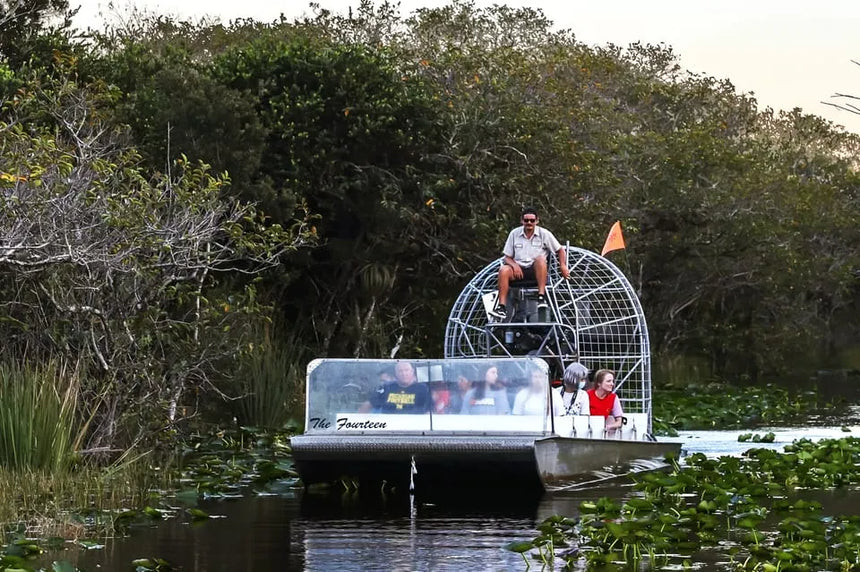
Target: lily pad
63,566
519,546
197,514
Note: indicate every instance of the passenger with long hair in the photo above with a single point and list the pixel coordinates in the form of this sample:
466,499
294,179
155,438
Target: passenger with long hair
488,397
603,401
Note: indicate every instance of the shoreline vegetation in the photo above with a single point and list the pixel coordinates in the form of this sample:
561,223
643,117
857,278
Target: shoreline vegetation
55,496
191,211
46,513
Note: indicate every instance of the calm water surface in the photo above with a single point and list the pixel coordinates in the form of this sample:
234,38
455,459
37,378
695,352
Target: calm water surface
312,532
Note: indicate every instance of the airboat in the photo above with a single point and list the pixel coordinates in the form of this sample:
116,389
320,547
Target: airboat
425,436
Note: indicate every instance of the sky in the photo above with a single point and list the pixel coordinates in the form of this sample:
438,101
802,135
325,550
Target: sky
788,53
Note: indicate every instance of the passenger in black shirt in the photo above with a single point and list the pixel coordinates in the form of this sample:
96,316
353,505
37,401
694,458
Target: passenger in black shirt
404,395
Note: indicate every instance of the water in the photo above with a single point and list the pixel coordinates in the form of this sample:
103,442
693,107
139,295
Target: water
716,443
314,532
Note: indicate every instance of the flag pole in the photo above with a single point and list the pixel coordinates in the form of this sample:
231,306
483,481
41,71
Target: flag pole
629,269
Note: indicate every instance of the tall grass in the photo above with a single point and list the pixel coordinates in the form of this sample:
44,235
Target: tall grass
38,424
74,503
271,383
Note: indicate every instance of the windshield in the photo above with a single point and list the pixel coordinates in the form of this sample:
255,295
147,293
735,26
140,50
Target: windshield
484,395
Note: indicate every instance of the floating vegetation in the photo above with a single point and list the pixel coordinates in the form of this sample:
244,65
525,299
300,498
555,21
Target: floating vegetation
720,406
749,437
151,565
22,555
226,464
229,463
745,510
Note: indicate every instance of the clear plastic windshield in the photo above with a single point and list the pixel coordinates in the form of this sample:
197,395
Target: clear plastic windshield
443,395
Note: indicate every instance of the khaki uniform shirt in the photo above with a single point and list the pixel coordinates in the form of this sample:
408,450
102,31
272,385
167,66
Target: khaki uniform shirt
525,250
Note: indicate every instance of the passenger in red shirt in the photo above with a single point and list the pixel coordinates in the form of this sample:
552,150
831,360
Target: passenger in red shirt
603,401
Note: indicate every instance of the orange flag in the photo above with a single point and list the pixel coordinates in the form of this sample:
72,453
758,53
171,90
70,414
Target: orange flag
615,240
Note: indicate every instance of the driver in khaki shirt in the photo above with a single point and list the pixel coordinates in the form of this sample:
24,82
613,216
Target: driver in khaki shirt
526,251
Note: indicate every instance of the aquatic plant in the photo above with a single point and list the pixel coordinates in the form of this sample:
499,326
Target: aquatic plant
229,463
97,501
22,554
721,406
768,437
151,565
88,502
76,503
555,532
745,507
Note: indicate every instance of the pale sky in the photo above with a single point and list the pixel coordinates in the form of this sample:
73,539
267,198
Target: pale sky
789,53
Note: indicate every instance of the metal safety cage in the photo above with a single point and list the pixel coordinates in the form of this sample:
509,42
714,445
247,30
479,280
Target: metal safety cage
594,317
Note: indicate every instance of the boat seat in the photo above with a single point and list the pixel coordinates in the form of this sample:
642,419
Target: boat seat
521,303
522,300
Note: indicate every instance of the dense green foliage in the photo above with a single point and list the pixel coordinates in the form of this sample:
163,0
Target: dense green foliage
416,140
30,28
744,509
118,270
385,158
722,406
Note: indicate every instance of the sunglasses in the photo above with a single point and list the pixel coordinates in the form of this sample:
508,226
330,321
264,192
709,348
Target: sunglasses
529,219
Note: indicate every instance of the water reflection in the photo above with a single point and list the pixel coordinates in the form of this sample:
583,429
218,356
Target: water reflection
261,534
256,534
451,534
350,533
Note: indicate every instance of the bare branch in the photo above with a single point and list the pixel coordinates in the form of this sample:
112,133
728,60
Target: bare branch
846,95
846,107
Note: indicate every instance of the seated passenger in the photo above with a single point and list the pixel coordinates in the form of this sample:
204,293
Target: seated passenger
573,394
403,395
488,397
603,401
458,393
441,396
532,400
386,376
